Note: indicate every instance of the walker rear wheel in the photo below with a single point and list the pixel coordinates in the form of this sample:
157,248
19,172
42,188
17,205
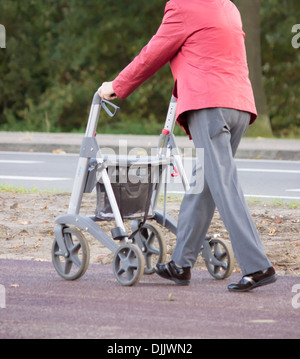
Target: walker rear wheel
128,264
221,261
73,264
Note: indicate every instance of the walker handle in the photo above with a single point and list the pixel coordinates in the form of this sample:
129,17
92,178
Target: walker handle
97,100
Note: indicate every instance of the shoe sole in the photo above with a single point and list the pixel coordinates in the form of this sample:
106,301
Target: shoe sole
168,277
175,280
267,281
181,282
261,283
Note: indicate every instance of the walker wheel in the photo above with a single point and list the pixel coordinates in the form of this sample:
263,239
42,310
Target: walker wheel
73,264
128,264
220,264
153,247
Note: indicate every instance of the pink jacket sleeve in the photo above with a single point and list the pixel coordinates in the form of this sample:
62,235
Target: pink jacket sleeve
160,49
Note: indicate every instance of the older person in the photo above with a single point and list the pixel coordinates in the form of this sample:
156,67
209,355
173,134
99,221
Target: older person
204,42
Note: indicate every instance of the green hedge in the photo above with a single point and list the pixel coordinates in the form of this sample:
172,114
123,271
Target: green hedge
59,52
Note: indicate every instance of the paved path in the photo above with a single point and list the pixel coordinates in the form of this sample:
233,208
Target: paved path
39,304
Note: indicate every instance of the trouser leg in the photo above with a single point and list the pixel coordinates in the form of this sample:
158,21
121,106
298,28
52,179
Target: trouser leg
219,131
196,212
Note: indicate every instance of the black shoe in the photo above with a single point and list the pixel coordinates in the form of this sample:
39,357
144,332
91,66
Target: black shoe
181,276
254,280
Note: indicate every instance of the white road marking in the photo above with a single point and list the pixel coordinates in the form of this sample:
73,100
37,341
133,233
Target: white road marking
267,170
271,197
31,178
19,162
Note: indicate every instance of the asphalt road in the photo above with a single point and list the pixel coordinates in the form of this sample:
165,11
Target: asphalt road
261,179
39,304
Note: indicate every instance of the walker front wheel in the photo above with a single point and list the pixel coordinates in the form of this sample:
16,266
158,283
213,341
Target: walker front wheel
128,264
74,263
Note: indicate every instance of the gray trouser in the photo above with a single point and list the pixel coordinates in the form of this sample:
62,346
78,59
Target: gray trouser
218,131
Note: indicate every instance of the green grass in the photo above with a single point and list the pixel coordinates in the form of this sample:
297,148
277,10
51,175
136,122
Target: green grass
4,187
275,203
17,189
279,202
170,197
294,205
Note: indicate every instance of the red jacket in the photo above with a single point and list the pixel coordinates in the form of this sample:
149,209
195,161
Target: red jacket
205,44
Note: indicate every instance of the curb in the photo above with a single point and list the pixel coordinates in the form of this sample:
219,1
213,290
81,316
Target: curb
250,148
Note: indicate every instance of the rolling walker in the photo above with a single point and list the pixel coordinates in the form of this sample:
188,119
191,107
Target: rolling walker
127,188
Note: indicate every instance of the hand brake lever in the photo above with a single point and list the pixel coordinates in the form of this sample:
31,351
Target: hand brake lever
104,104
97,100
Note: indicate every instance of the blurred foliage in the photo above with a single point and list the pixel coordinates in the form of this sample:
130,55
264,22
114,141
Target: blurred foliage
281,65
60,51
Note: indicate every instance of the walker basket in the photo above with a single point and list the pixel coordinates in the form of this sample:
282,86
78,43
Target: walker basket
133,182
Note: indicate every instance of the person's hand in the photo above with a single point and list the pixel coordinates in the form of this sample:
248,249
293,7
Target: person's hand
106,91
